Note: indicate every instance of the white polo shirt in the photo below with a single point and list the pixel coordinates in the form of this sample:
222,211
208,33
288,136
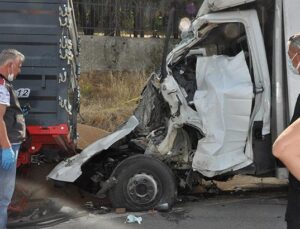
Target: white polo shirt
4,93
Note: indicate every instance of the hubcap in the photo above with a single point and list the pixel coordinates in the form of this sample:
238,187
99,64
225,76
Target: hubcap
142,188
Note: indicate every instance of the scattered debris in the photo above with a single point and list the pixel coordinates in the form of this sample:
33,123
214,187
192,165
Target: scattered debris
162,207
134,219
213,189
43,213
67,210
95,209
89,205
189,198
152,211
120,210
176,215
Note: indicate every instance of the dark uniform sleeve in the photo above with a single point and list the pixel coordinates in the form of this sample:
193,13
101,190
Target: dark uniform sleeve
293,206
296,114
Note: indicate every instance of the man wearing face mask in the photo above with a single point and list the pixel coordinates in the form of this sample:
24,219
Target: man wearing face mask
12,127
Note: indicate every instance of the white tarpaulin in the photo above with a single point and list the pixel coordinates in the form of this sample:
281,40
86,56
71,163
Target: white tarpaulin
223,100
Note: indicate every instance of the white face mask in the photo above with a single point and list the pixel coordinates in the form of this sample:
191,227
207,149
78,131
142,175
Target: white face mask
291,66
10,77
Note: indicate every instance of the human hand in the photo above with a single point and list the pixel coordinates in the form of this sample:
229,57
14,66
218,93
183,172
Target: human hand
8,158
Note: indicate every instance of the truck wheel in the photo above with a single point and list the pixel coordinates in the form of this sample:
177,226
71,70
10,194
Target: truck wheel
143,182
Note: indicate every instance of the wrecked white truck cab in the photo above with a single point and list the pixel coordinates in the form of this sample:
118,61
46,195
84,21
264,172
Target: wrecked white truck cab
208,117
228,99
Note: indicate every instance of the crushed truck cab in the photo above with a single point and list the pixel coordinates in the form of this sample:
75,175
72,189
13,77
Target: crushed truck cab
208,117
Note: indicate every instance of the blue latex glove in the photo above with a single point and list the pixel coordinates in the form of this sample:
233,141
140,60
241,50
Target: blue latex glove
8,158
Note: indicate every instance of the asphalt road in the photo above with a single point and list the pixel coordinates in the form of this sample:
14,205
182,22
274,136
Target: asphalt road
258,210
244,202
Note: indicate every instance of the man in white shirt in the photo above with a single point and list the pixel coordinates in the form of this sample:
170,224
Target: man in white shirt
12,127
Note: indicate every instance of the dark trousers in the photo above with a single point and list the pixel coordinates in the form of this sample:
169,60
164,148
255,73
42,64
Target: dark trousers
292,215
293,225
293,207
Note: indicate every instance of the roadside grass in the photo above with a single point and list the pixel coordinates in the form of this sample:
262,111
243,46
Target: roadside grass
109,98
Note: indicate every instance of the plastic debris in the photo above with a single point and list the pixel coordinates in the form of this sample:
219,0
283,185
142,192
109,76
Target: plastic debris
134,219
67,210
162,207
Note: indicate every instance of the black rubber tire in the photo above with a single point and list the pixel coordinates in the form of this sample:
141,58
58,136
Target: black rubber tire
148,166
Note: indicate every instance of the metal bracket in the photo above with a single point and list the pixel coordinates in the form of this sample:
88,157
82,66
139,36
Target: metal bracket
77,98
64,10
64,22
69,44
70,56
78,45
67,55
78,70
258,90
61,55
37,159
64,43
62,77
64,104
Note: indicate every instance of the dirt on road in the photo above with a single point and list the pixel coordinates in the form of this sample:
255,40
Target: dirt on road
88,135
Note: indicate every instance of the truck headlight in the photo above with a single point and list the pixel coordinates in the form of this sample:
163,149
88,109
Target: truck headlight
184,24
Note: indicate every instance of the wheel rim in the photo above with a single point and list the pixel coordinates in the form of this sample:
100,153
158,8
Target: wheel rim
142,188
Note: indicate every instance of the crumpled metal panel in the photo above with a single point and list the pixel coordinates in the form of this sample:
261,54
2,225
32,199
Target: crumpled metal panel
223,101
216,5
69,170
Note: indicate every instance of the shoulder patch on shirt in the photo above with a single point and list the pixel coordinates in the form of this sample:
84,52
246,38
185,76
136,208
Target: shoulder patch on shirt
2,81
4,95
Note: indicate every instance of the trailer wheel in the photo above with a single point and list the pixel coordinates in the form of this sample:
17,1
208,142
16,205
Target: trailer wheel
143,182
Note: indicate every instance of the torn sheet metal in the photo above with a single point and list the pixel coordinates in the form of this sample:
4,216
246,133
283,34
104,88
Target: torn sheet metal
216,5
223,101
70,169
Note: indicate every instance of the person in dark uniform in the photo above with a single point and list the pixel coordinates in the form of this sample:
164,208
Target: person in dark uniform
12,127
287,146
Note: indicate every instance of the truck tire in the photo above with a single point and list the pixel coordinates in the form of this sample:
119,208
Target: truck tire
143,183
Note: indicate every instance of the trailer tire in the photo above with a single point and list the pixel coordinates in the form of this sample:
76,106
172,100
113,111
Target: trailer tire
143,183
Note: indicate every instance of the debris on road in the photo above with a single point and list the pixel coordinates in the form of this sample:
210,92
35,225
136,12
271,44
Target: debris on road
162,207
134,219
43,213
96,209
176,215
89,134
120,210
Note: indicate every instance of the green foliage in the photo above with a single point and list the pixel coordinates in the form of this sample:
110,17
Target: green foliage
86,89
